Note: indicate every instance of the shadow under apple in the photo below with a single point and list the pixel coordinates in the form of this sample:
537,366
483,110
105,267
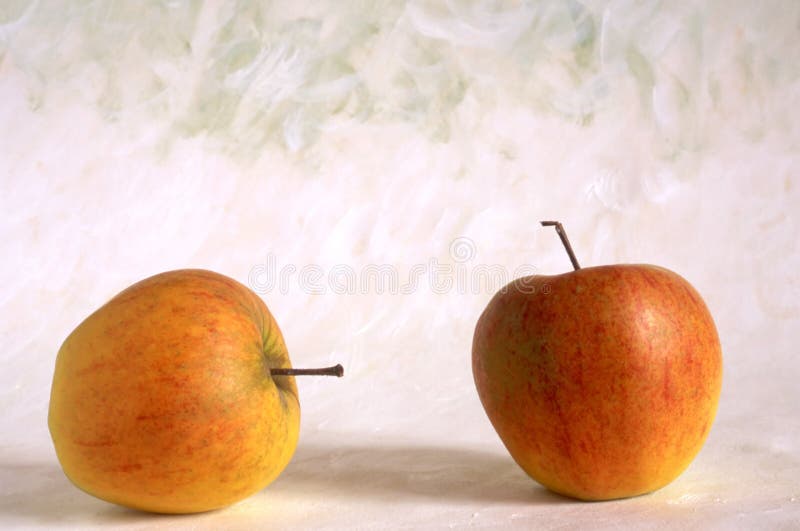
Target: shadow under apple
39,493
379,472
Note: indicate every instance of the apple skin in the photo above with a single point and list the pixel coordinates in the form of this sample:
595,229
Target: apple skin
603,382
162,399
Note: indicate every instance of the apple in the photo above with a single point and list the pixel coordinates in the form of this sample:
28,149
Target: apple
602,382
176,396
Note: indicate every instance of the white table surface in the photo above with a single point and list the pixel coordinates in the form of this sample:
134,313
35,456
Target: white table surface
138,138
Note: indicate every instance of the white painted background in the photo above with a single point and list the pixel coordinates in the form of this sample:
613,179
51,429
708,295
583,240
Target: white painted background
138,137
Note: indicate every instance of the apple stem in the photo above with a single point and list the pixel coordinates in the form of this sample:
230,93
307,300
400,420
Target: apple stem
336,370
563,235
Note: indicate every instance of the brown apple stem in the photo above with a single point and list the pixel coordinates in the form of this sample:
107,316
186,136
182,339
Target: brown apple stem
563,235
336,370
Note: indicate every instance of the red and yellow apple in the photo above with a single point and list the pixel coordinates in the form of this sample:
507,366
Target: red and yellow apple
602,382
170,397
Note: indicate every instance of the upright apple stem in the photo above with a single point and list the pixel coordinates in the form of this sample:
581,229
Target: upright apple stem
336,370
563,235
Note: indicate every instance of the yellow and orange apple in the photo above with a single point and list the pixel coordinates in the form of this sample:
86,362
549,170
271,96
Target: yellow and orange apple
602,382
170,397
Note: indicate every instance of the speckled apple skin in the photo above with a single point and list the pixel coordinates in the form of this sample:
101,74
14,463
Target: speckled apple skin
603,382
162,399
